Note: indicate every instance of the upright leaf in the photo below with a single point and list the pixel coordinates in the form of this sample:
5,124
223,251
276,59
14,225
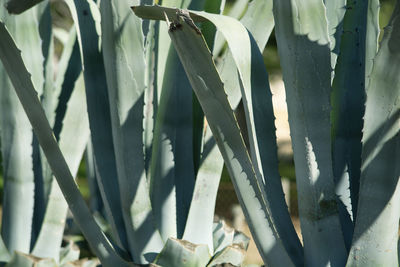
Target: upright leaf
172,166
18,6
17,136
86,16
236,11
20,77
50,237
123,51
335,11
348,98
4,254
205,81
376,231
303,44
199,225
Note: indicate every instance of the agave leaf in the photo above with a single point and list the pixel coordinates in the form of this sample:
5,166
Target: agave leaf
183,253
259,21
205,81
257,102
43,175
123,48
20,77
4,254
236,12
348,98
95,200
17,137
20,259
172,166
69,253
335,11
375,234
86,17
222,236
18,6
150,94
303,40
232,254
172,169
199,225
241,239
76,120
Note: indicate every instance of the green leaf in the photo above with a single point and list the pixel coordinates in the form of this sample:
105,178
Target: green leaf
183,253
236,12
172,169
19,6
17,136
375,234
50,237
199,224
124,61
303,40
257,102
335,11
199,67
20,77
86,17
348,100
4,254
259,21
172,165
69,253
232,254
43,175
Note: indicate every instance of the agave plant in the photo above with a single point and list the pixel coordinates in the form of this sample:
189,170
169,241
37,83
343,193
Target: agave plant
34,209
347,139
143,177
147,153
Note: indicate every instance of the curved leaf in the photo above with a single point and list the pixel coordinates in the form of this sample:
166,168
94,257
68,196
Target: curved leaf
20,77
205,81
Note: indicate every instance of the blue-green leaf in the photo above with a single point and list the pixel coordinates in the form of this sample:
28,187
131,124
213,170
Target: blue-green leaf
348,99
17,136
375,234
19,6
12,61
124,61
4,254
183,253
86,17
303,40
199,225
51,233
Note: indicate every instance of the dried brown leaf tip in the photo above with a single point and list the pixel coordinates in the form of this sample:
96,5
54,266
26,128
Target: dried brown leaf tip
173,26
183,15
